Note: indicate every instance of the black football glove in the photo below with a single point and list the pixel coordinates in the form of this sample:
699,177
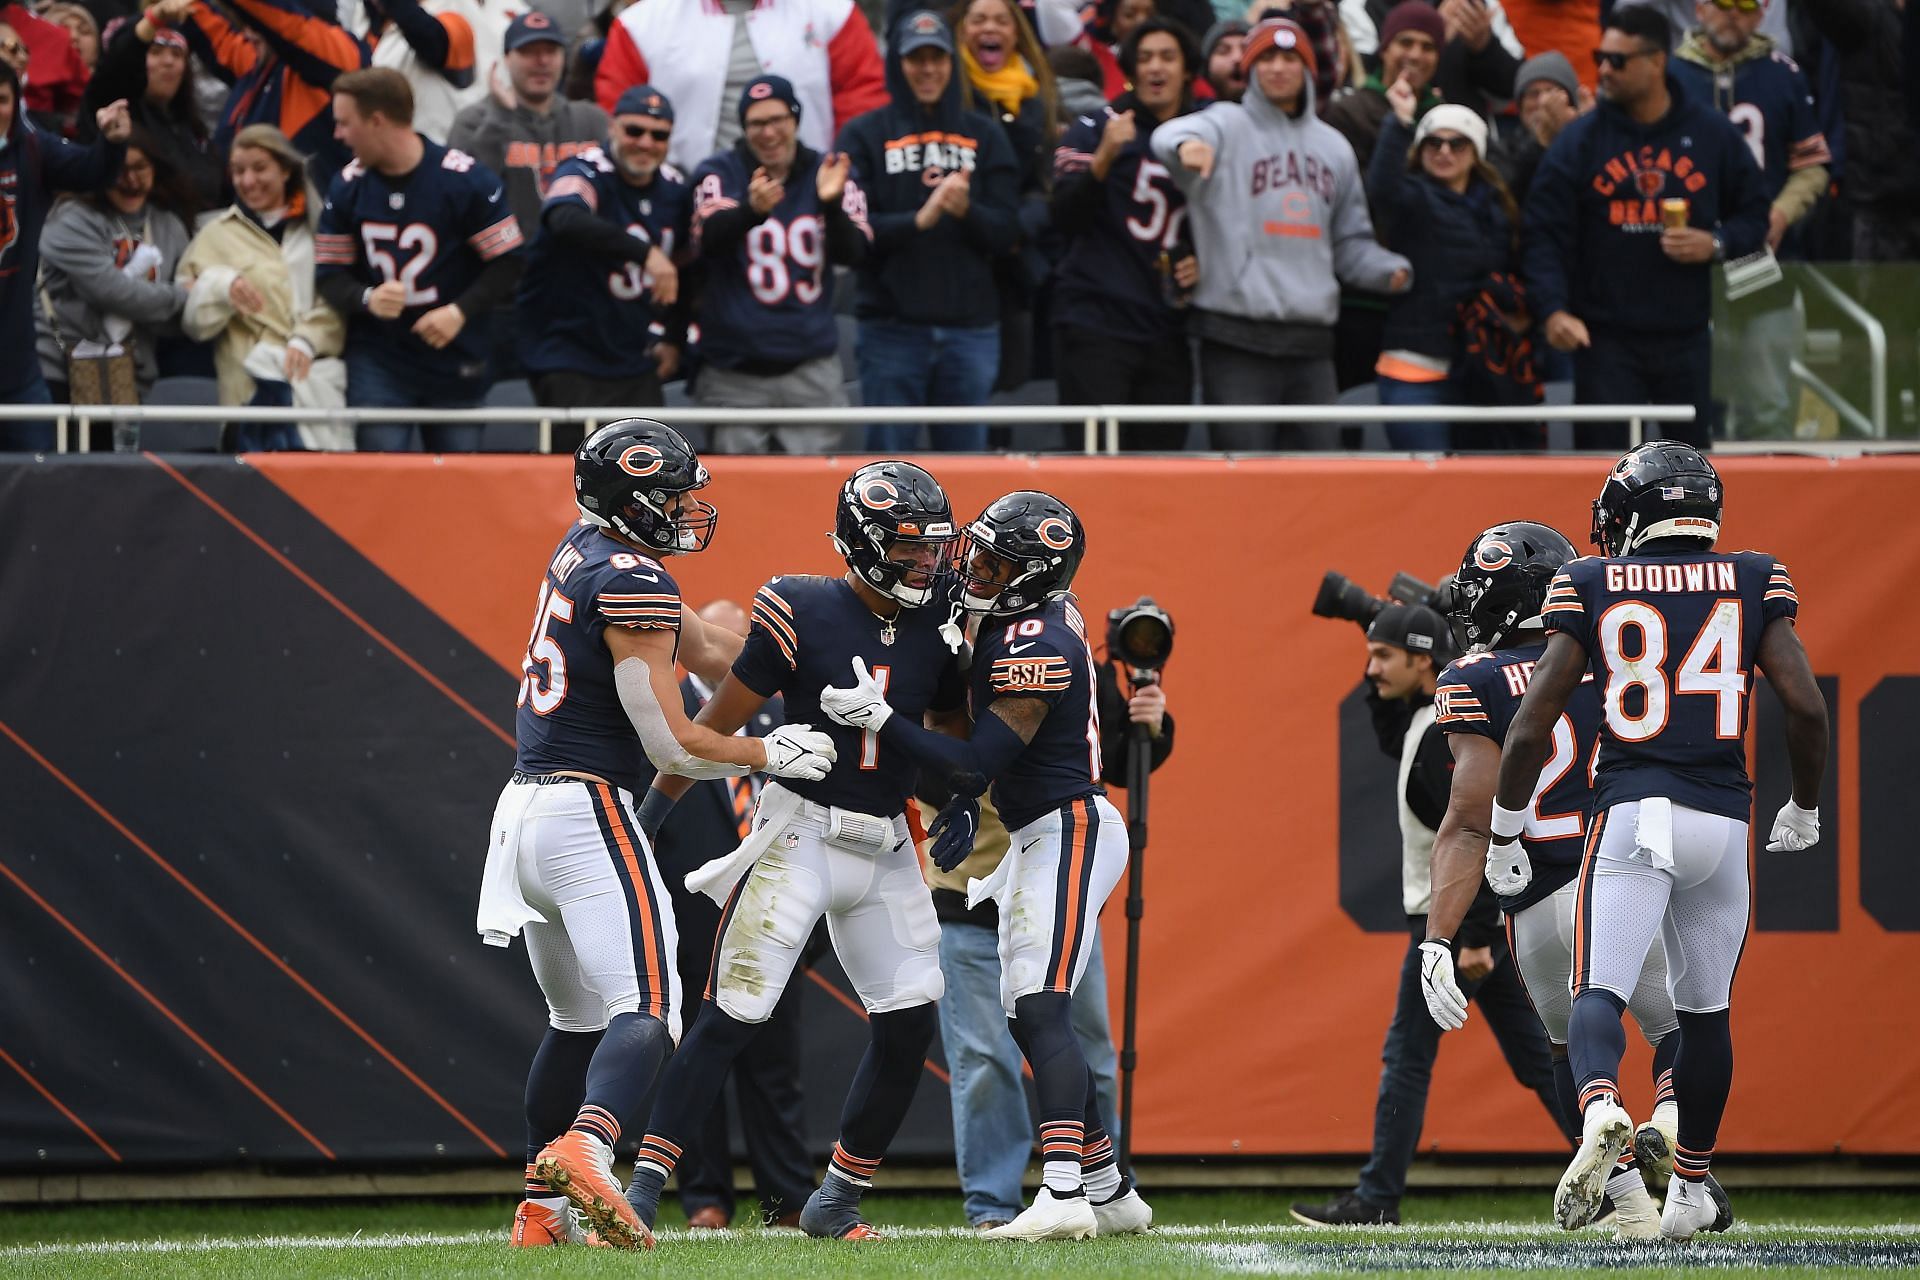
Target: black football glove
953,830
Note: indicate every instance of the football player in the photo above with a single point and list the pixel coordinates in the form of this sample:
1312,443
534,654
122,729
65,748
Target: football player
1672,631
1036,738
1497,595
567,864
842,848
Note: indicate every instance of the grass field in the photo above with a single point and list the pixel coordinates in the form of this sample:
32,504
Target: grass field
1779,1233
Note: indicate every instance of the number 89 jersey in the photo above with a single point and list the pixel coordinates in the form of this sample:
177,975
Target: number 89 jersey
1479,694
570,715
1671,641
1042,654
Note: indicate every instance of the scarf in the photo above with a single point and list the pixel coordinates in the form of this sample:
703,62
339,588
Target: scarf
1006,88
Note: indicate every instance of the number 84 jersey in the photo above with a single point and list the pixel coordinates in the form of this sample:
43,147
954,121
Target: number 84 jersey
1671,642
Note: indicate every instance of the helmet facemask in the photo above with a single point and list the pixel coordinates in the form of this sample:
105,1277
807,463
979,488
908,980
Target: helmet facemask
990,580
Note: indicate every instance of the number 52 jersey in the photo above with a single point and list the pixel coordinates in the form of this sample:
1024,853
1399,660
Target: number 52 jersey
1671,640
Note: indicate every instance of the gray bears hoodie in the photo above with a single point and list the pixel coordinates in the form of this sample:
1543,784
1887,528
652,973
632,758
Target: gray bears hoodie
1281,223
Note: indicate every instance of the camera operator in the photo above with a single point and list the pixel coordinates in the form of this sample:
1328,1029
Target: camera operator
1407,647
992,1127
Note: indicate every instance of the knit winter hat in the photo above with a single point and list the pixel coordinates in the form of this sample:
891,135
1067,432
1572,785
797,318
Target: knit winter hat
1551,66
1413,15
1461,120
1279,33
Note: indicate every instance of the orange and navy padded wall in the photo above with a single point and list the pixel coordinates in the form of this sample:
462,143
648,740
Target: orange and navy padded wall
256,714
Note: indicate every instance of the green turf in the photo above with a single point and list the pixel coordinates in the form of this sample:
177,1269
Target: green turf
1205,1235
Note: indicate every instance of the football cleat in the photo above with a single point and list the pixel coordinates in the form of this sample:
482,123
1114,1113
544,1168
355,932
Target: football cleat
536,1226
1604,1135
1124,1215
1722,1206
1653,1144
1050,1217
580,1167
1635,1215
1690,1210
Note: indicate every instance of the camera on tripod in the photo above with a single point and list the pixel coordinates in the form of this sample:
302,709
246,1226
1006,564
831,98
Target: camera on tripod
1141,635
1341,597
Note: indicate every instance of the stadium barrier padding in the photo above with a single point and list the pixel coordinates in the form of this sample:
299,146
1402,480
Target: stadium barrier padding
255,714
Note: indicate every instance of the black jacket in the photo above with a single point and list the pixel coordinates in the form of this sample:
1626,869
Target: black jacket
1592,240
179,136
1882,147
943,275
1453,240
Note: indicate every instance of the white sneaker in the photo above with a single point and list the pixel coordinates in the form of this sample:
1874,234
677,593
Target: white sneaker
1050,1218
1123,1215
1603,1136
1635,1215
1689,1210
1654,1141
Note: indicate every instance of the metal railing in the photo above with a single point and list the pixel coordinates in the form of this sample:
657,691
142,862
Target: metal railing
1100,424
1875,420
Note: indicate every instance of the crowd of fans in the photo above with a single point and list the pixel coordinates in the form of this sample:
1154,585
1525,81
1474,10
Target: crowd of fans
409,203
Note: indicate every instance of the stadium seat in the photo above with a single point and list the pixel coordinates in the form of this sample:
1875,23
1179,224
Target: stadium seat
510,437
183,437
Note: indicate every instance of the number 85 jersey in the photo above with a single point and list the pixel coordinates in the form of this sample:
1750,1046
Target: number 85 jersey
1671,642
570,715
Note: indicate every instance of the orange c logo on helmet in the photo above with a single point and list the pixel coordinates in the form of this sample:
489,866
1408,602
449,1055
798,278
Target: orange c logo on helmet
1052,528
1493,554
889,496
652,463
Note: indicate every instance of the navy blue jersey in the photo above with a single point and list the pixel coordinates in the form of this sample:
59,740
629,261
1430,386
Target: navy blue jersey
585,313
1672,639
1111,281
769,298
1768,100
805,633
1479,694
432,230
570,714
1042,654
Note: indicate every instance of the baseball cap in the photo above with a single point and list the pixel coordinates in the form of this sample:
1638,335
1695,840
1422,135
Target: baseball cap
769,89
922,29
644,100
533,27
1278,33
1415,628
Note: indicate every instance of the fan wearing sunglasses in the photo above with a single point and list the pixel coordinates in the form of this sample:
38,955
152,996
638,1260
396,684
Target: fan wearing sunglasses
600,313
1438,202
1633,204
1728,62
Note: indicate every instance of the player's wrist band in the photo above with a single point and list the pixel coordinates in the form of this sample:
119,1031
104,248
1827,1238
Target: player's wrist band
1442,942
1508,823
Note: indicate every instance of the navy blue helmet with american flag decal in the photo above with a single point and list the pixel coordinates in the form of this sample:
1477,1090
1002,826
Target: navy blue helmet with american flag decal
1022,551
1661,489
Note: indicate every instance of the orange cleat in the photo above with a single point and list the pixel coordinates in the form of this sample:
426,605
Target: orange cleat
862,1231
535,1226
581,1168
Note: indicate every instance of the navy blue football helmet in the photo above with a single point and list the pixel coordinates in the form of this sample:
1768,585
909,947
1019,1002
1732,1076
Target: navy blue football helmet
1661,489
1502,581
887,505
1022,551
626,475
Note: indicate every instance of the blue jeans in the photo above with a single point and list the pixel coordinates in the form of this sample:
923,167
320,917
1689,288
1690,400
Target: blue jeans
28,437
1417,437
372,385
923,364
992,1126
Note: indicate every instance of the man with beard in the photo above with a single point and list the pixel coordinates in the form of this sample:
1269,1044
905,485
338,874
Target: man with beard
597,302
772,218
1120,302
1220,51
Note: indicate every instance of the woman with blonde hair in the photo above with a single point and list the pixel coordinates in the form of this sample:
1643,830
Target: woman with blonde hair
251,270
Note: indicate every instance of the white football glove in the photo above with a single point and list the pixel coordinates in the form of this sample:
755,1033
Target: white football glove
1794,829
799,751
1445,1004
864,706
1509,870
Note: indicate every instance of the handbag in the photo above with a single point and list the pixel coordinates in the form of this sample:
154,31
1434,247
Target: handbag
97,373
